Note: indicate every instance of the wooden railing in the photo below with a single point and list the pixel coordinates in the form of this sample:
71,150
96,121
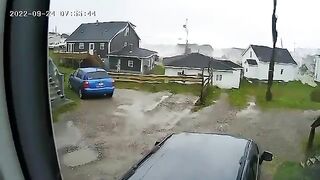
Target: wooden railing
155,79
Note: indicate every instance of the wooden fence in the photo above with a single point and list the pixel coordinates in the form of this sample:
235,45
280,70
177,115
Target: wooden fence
155,79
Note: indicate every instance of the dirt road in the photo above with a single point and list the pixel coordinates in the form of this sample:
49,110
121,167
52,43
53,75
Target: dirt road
104,137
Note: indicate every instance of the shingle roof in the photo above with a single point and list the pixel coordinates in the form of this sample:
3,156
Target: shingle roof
195,60
264,54
252,62
231,64
100,31
129,51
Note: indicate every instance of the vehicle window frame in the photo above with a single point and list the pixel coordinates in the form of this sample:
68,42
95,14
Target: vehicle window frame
79,74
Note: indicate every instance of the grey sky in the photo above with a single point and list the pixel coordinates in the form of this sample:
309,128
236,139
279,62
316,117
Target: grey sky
221,23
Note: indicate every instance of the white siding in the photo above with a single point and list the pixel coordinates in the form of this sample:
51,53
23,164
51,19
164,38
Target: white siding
317,70
289,72
230,79
260,72
250,71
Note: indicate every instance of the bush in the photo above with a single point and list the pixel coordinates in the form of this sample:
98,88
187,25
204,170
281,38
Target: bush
315,95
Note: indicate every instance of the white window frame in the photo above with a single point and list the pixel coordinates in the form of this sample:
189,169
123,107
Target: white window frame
101,46
130,63
126,31
81,45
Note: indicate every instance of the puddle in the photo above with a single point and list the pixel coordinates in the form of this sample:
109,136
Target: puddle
67,134
250,112
79,157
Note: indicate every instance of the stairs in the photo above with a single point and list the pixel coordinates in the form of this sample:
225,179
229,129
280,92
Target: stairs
55,93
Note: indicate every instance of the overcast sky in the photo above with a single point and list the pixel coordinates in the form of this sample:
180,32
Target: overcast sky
220,23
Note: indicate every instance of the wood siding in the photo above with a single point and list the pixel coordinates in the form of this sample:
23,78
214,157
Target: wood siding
113,61
103,53
118,41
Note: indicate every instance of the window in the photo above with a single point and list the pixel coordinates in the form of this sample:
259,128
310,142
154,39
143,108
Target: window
81,45
281,72
130,63
246,69
250,54
220,78
181,73
79,74
125,44
126,32
101,46
217,77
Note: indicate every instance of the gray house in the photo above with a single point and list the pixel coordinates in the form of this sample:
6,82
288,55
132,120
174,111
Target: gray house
111,39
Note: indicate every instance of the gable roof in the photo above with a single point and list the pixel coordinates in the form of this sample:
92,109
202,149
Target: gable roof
230,64
195,60
129,51
99,31
252,62
264,54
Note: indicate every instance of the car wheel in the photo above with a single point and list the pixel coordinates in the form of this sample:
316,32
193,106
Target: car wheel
110,95
80,93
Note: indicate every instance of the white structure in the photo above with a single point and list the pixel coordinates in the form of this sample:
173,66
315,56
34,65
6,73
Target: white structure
317,69
255,61
226,74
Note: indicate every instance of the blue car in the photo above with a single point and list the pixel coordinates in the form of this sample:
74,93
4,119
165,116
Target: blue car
91,81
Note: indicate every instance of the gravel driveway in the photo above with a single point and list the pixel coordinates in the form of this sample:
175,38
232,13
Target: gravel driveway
104,137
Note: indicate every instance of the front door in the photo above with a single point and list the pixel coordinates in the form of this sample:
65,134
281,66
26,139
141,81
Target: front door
91,48
70,47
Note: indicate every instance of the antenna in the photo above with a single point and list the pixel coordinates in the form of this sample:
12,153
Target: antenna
187,34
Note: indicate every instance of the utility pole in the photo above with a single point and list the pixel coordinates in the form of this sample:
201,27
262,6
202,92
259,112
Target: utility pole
186,51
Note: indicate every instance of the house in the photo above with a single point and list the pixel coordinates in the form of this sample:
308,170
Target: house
226,74
112,40
56,41
255,61
132,59
317,69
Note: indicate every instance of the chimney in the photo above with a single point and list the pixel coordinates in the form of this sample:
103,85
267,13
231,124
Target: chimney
97,22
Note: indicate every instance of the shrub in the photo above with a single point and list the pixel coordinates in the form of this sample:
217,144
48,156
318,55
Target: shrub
315,95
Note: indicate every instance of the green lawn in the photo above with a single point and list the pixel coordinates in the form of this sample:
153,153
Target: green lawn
292,95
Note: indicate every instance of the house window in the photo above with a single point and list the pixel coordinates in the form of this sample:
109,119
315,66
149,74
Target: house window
250,54
281,71
181,73
220,78
246,69
125,44
101,46
217,77
126,32
81,45
130,63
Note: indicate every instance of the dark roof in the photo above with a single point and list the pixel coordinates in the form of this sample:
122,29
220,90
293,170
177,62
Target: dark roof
195,60
129,51
252,62
231,64
100,31
264,54
192,156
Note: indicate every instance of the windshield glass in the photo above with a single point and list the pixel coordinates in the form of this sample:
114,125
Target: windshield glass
96,75
246,68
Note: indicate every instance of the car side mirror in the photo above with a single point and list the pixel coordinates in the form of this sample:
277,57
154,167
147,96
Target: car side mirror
266,156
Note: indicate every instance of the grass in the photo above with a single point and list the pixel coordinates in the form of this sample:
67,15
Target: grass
316,145
158,70
174,88
292,95
213,93
290,171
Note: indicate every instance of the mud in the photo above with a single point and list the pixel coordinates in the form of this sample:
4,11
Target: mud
119,131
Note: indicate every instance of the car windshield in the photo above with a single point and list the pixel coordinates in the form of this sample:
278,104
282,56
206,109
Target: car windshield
96,75
246,68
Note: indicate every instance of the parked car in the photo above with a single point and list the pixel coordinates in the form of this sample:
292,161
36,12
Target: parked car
91,81
188,156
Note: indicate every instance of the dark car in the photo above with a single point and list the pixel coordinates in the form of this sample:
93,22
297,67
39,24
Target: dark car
190,156
91,81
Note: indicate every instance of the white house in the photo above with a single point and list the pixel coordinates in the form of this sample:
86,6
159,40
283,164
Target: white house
317,69
226,74
255,61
